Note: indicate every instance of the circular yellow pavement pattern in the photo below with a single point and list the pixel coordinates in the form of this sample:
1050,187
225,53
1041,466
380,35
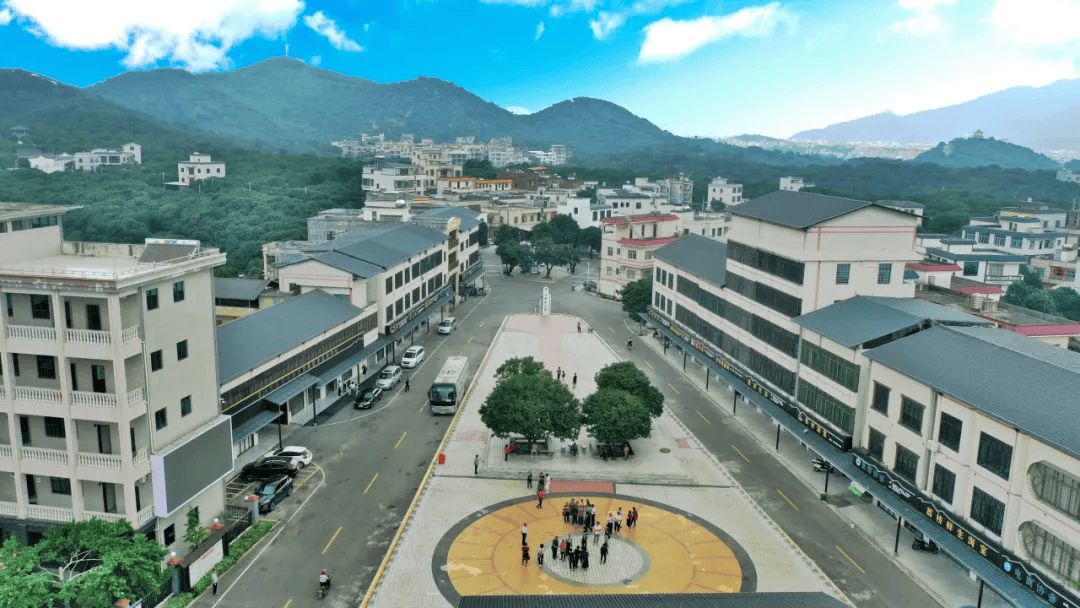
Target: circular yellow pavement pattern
670,551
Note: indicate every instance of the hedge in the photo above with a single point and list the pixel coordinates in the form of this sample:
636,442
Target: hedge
237,549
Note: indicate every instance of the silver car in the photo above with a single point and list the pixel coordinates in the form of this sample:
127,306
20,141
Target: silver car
388,377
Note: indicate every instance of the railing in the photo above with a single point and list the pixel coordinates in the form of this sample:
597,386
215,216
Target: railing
139,456
1,392
88,336
144,516
101,461
111,517
72,247
136,396
131,334
93,399
45,455
59,514
6,451
29,332
10,509
33,393
1004,278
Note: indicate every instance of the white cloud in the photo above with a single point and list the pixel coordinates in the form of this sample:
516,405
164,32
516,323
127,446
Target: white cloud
6,16
197,36
518,110
367,26
539,30
316,60
668,39
606,23
327,28
925,21
1037,22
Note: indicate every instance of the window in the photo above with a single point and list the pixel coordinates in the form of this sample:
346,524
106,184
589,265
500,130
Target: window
178,291
169,535
54,427
389,312
389,284
10,302
944,483
185,406
610,251
1046,549
949,432
151,299
884,274
843,274
39,306
60,485
660,276
181,350
911,413
161,419
829,407
829,365
609,271
398,279
987,510
632,254
994,455
999,240
907,463
156,361
15,363
46,367
881,399
1016,242
776,265
775,299
984,238
971,269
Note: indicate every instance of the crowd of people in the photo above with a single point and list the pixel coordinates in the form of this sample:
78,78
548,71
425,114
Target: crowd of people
582,514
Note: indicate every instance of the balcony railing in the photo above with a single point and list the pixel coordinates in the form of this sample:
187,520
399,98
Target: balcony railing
45,455
29,332
10,509
6,451
144,516
2,395
33,393
1004,278
104,516
131,334
93,399
88,336
100,461
59,514
139,456
136,396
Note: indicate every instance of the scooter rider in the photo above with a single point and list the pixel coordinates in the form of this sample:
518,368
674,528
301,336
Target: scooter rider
630,343
324,580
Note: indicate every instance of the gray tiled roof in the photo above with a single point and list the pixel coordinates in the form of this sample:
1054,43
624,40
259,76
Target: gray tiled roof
358,268
1020,381
804,599
245,343
238,289
156,252
904,204
858,320
697,255
468,216
975,256
383,245
801,210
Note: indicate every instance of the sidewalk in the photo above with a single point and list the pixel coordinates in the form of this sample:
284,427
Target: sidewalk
671,477
938,574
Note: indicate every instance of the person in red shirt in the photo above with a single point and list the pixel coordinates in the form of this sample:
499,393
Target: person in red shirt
540,499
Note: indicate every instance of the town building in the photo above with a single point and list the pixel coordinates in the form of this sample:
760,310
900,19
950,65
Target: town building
793,184
516,214
906,206
394,178
19,132
626,202
197,168
106,395
49,163
977,263
720,191
1016,235
235,298
128,154
714,225
583,211
627,246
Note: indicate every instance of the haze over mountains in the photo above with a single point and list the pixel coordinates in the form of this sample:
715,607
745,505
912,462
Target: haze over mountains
1042,118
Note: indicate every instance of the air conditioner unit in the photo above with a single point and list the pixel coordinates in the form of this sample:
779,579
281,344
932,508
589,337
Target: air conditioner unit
931,445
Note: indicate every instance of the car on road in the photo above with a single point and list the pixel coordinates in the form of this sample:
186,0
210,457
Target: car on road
272,491
590,285
368,397
413,357
388,377
447,325
301,454
265,468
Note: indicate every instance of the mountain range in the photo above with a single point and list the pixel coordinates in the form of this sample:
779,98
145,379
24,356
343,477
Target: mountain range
1041,118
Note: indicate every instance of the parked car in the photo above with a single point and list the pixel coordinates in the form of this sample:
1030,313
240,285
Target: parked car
413,357
301,454
266,468
590,285
388,377
368,397
273,491
447,325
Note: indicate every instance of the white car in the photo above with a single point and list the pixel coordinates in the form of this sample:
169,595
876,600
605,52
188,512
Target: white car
302,455
388,377
413,357
447,325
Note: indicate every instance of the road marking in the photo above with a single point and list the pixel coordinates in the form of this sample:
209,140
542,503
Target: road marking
371,482
400,440
288,603
740,453
331,541
789,502
481,325
703,417
423,406
673,388
612,330
853,562
650,366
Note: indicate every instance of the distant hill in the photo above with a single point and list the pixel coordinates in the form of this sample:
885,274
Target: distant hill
22,92
983,152
1043,118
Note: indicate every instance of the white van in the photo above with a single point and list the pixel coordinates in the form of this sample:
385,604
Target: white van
447,325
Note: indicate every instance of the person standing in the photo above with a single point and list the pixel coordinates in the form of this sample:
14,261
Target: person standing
573,512
555,548
540,557
618,521
566,512
558,373
596,529
547,484
506,452
562,550
528,481
524,532
590,512
575,379
476,465
540,481
610,526
579,327
626,451
214,581
585,538
524,555
540,499
603,553
584,557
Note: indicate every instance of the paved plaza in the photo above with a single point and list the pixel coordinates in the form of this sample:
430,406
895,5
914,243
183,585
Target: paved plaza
698,532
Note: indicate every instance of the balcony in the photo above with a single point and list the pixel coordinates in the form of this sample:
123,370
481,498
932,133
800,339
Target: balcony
44,395
9,509
99,461
131,334
144,516
48,455
29,332
102,400
139,457
57,514
109,517
6,451
88,336
1003,278
136,396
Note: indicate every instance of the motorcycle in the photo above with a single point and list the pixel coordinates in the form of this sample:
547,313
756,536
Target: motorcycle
921,544
821,465
324,588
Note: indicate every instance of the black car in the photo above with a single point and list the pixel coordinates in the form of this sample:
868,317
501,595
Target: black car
268,467
590,285
368,397
272,491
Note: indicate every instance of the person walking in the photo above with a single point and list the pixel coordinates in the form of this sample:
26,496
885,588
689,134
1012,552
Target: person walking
610,526
584,557
562,550
626,451
603,553
214,581
574,554
558,373
524,532
573,512
547,484
528,481
575,379
540,557
579,327
406,385
524,555
585,537
555,548
540,499
506,452
618,521
566,512
540,481
596,529
634,515
590,514
476,465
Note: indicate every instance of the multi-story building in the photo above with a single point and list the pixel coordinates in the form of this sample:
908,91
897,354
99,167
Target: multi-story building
433,164
1016,235
128,154
907,207
720,191
518,215
394,178
627,246
1050,218
584,212
106,395
976,263
49,163
197,168
793,184
706,223
626,202
235,298
680,190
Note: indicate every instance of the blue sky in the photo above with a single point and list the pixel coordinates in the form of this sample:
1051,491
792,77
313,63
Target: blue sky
694,67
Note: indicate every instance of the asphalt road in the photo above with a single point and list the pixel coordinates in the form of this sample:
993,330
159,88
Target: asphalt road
370,464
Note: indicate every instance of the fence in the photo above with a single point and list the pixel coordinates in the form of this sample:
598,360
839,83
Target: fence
237,519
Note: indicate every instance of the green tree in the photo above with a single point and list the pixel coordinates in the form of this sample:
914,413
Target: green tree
566,230
482,234
196,532
512,255
1019,292
519,366
572,258
613,416
1067,302
1040,301
551,255
593,238
626,376
23,582
531,405
481,169
636,297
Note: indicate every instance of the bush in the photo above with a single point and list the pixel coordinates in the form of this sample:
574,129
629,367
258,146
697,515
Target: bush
237,549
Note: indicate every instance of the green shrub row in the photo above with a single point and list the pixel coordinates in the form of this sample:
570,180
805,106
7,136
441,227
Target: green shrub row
237,549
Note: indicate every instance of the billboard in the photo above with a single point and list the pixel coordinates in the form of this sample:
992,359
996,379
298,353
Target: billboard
191,465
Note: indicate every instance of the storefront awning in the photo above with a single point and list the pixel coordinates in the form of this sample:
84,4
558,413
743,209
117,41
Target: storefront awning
253,425
291,389
340,363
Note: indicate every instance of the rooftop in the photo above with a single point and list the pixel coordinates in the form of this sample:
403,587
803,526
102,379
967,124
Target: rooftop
648,242
976,256
801,210
111,262
904,204
858,320
637,219
249,341
238,289
697,255
1012,317
929,266
15,211
383,245
469,218
1032,387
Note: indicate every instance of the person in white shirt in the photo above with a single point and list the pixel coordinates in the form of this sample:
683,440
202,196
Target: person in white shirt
618,520
524,532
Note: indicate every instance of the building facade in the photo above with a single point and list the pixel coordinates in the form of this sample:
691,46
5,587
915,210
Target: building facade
627,246
720,191
197,168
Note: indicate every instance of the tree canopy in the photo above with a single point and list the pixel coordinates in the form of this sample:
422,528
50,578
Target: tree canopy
593,238
512,255
626,376
519,366
636,297
530,403
615,416
1029,293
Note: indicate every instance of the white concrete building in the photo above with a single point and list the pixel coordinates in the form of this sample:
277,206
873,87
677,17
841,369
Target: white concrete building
906,206
48,163
627,246
793,184
106,395
584,212
976,263
197,168
705,223
128,154
393,178
720,191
